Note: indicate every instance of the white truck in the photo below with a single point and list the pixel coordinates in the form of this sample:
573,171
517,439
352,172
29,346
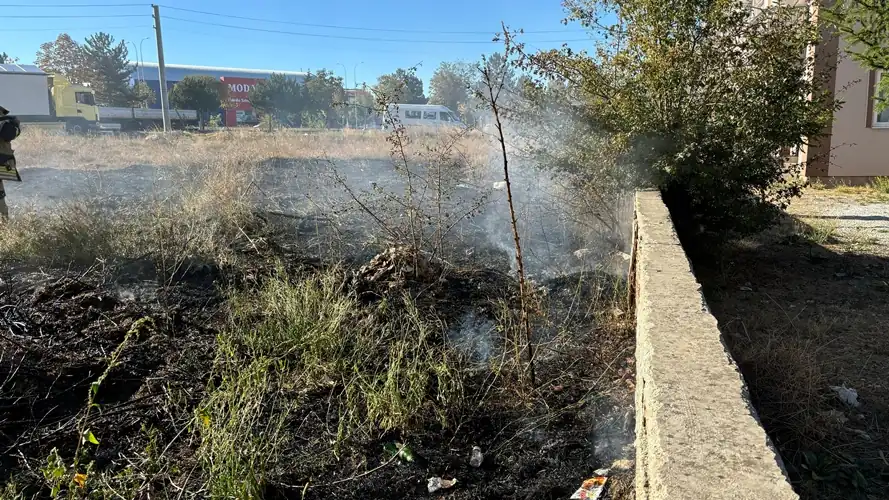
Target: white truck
45,101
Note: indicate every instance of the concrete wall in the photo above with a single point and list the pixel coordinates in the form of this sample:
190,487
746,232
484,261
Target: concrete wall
697,436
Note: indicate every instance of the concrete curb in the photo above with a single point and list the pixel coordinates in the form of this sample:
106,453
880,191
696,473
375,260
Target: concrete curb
697,436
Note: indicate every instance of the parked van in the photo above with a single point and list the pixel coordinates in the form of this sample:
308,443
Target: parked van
423,115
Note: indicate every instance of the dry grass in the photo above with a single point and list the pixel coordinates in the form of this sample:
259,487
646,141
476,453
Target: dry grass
214,208
877,191
206,223
803,309
39,148
385,368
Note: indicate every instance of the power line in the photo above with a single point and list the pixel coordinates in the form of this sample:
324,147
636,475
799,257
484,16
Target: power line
102,28
331,26
75,5
365,39
264,42
70,17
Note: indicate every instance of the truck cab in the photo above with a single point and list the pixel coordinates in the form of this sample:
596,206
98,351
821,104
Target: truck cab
75,104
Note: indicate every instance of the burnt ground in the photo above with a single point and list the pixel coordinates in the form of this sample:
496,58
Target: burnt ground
803,309
59,326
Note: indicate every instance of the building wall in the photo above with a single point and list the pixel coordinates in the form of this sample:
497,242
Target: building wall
233,76
859,147
240,110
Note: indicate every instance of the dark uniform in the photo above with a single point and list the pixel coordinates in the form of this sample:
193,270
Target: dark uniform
9,130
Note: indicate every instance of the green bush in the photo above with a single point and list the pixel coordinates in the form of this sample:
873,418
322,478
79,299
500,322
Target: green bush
695,97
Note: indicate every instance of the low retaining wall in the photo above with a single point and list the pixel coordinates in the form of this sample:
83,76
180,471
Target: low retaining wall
697,436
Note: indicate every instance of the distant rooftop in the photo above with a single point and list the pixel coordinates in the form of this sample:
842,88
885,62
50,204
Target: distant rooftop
21,68
217,69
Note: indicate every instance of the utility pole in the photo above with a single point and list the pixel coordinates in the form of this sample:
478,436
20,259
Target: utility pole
165,102
345,89
355,92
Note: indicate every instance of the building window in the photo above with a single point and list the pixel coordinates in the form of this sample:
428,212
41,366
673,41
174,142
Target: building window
881,119
430,115
412,114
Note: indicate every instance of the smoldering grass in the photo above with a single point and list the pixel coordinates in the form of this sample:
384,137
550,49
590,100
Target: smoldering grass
384,366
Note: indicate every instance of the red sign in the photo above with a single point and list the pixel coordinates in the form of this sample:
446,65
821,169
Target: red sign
238,93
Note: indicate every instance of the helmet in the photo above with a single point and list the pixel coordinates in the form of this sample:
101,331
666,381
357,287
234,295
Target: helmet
3,111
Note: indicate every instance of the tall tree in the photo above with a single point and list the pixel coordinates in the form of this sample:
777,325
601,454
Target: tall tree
7,59
199,92
109,69
142,95
65,57
280,97
450,84
401,87
865,26
325,97
499,66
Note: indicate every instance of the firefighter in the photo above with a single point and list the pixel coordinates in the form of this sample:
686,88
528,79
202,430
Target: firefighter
9,130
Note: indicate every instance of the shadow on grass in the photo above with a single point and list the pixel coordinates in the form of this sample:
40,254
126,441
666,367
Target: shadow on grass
801,316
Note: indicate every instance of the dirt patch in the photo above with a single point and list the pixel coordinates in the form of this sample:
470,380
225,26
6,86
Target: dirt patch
803,310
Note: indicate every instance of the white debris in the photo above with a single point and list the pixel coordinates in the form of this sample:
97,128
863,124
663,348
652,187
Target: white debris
477,457
500,185
847,396
582,253
437,483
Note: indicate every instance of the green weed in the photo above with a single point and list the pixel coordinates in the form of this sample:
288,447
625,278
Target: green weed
241,425
881,185
386,367
819,231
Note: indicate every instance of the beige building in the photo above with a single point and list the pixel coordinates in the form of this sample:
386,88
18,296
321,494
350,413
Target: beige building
854,147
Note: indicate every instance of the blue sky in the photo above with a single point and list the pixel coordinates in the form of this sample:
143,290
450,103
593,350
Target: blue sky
206,43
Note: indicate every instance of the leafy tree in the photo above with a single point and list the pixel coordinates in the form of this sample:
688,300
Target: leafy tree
109,69
694,96
279,97
450,85
498,64
199,92
65,57
7,59
142,95
401,87
864,24
324,97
